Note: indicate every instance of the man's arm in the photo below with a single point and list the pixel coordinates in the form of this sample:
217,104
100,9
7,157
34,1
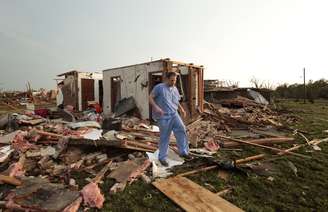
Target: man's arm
180,108
154,105
183,112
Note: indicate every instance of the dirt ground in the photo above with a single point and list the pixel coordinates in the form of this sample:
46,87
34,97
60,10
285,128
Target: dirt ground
279,189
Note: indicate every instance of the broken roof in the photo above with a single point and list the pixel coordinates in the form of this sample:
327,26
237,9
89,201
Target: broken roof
163,60
74,72
67,73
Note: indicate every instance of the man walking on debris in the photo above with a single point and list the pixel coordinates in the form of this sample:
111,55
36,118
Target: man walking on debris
164,100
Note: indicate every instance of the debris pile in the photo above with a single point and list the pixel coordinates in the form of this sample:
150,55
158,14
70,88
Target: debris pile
58,165
44,159
240,118
16,99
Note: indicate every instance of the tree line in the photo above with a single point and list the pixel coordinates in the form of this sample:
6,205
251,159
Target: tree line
314,90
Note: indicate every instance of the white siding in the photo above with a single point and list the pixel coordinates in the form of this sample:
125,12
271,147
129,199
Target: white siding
131,85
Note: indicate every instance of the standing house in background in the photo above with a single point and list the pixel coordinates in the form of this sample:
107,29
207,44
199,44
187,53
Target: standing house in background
81,87
138,81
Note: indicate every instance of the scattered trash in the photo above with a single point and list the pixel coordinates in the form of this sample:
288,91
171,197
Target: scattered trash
117,187
84,124
5,152
93,134
124,105
270,179
223,192
41,195
202,151
316,147
42,150
292,167
211,145
224,175
7,139
92,196
173,159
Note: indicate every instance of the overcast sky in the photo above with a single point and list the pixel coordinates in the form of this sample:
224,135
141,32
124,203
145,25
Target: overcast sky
233,39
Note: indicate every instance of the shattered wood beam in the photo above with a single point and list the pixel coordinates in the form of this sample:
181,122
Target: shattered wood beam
96,164
264,147
10,180
198,170
47,142
303,136
100,142
12,107
138,149
239,161
313,142
140,130
102,173
133,143
225,191
266,141
48,133
251,158
113,143
262,132
191,125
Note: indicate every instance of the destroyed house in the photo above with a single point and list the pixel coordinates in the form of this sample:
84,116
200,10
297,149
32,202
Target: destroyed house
79,88
138,80
215,94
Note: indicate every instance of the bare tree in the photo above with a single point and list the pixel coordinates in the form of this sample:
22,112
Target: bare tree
268,85
231,83
256,82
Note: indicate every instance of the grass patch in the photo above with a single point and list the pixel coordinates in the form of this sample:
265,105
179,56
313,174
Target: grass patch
308,191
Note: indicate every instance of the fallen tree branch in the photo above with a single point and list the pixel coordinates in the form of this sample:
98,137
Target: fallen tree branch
264,147
198,170
313,142
251,158
266,141
224,191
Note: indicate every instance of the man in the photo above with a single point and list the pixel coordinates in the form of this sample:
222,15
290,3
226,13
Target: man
164,100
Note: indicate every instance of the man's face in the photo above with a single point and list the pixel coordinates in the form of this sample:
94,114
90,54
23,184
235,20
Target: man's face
172,80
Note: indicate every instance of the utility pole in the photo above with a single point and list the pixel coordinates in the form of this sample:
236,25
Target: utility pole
304,85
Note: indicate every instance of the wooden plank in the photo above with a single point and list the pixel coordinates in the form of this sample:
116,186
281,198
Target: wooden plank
193,197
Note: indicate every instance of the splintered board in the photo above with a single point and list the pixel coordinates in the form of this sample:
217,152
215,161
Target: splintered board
193,197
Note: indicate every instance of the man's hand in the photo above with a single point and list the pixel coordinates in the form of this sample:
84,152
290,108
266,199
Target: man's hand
184,114
182,111
159,111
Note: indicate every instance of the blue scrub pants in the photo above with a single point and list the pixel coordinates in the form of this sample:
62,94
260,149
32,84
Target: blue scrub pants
166,125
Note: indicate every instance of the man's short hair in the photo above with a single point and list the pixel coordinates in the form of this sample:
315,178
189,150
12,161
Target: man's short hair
170,74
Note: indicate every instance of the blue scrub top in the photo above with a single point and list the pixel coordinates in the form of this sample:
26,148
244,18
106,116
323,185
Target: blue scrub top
167,98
